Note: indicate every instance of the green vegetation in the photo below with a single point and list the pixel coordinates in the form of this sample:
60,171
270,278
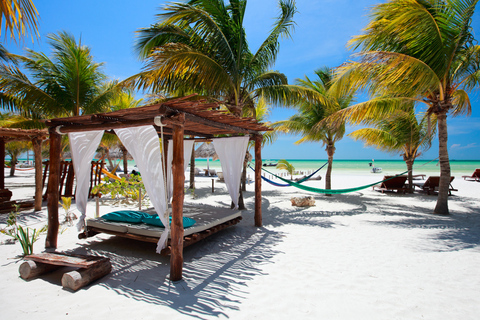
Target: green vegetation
416,51
130,188
285,165
201,46
309,119
401,133
25,235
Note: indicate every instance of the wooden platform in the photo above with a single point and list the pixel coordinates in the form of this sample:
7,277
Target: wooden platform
187,240
90,268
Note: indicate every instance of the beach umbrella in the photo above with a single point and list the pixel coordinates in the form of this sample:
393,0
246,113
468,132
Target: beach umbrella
206,150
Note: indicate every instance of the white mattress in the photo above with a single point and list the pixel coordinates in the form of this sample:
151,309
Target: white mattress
205,217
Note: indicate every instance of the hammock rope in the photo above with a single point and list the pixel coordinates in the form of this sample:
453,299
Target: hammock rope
331,191
276,184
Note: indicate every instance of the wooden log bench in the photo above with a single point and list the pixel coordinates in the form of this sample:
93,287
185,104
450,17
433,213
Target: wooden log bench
90,268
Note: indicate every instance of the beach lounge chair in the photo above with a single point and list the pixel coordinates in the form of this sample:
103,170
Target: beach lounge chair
474,177
220,176
212,172
430,186
197,172
394,184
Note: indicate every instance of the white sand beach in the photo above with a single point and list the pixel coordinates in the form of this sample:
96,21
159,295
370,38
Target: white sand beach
362,255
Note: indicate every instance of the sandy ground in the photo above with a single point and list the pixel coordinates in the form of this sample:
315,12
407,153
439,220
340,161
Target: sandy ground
363,255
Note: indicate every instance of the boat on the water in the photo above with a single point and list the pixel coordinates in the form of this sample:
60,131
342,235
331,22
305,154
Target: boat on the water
374,169
270,164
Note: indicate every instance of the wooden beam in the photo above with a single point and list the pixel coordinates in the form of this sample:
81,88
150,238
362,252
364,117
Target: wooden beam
2,173
258,180
214,124
37,151
176,259
53,184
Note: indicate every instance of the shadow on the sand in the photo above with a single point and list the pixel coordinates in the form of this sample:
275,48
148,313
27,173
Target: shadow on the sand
216,270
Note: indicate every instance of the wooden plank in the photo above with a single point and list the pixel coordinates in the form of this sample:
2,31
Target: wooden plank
66,260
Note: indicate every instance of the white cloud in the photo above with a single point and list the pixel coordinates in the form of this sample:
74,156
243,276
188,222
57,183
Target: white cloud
460,147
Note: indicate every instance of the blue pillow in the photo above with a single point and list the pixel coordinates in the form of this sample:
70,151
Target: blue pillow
131,216
154,220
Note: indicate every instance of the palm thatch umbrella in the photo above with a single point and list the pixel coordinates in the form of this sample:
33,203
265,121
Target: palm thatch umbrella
206,150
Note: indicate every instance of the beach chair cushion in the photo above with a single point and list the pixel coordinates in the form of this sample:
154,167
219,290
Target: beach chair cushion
131,216
154,220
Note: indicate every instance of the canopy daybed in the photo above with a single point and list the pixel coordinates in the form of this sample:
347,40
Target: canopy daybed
174,119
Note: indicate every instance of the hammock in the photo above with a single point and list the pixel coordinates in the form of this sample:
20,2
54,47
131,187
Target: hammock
332,191
276,184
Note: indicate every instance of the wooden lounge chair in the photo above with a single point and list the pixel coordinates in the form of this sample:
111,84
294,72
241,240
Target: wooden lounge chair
430,186
474,177
396,183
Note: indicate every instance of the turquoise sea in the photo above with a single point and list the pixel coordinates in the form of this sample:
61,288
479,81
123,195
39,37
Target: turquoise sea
458,167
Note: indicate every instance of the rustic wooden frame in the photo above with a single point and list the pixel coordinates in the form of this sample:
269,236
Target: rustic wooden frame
181,116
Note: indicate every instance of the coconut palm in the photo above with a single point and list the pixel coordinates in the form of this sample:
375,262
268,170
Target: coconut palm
68,84
18,16
309,119
400,133
14,149
201,46
421,51
285,165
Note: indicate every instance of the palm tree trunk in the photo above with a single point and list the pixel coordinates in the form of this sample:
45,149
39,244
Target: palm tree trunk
37,151
328,176
125,160
244,176
409,163
442,200
13,162
192,169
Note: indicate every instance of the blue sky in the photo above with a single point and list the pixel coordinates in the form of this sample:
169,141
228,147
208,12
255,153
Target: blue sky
322,29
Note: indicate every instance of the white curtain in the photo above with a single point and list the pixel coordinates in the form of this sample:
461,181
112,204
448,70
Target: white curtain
187,153
83,146
144,146
231,152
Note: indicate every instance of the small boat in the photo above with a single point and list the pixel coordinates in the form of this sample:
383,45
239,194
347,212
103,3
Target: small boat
374,169
270,164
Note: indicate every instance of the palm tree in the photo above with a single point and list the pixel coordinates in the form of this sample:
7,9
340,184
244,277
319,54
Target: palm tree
309,119
18,16
69,84
399,133
14,149
201,46
285,165
420,51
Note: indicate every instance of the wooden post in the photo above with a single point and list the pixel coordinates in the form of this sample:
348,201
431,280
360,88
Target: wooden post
2,173
77,279
52,190
213,185
30,269
258,180
37,152
176,258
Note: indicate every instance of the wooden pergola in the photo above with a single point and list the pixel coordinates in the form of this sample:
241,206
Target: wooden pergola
36,136
180,117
